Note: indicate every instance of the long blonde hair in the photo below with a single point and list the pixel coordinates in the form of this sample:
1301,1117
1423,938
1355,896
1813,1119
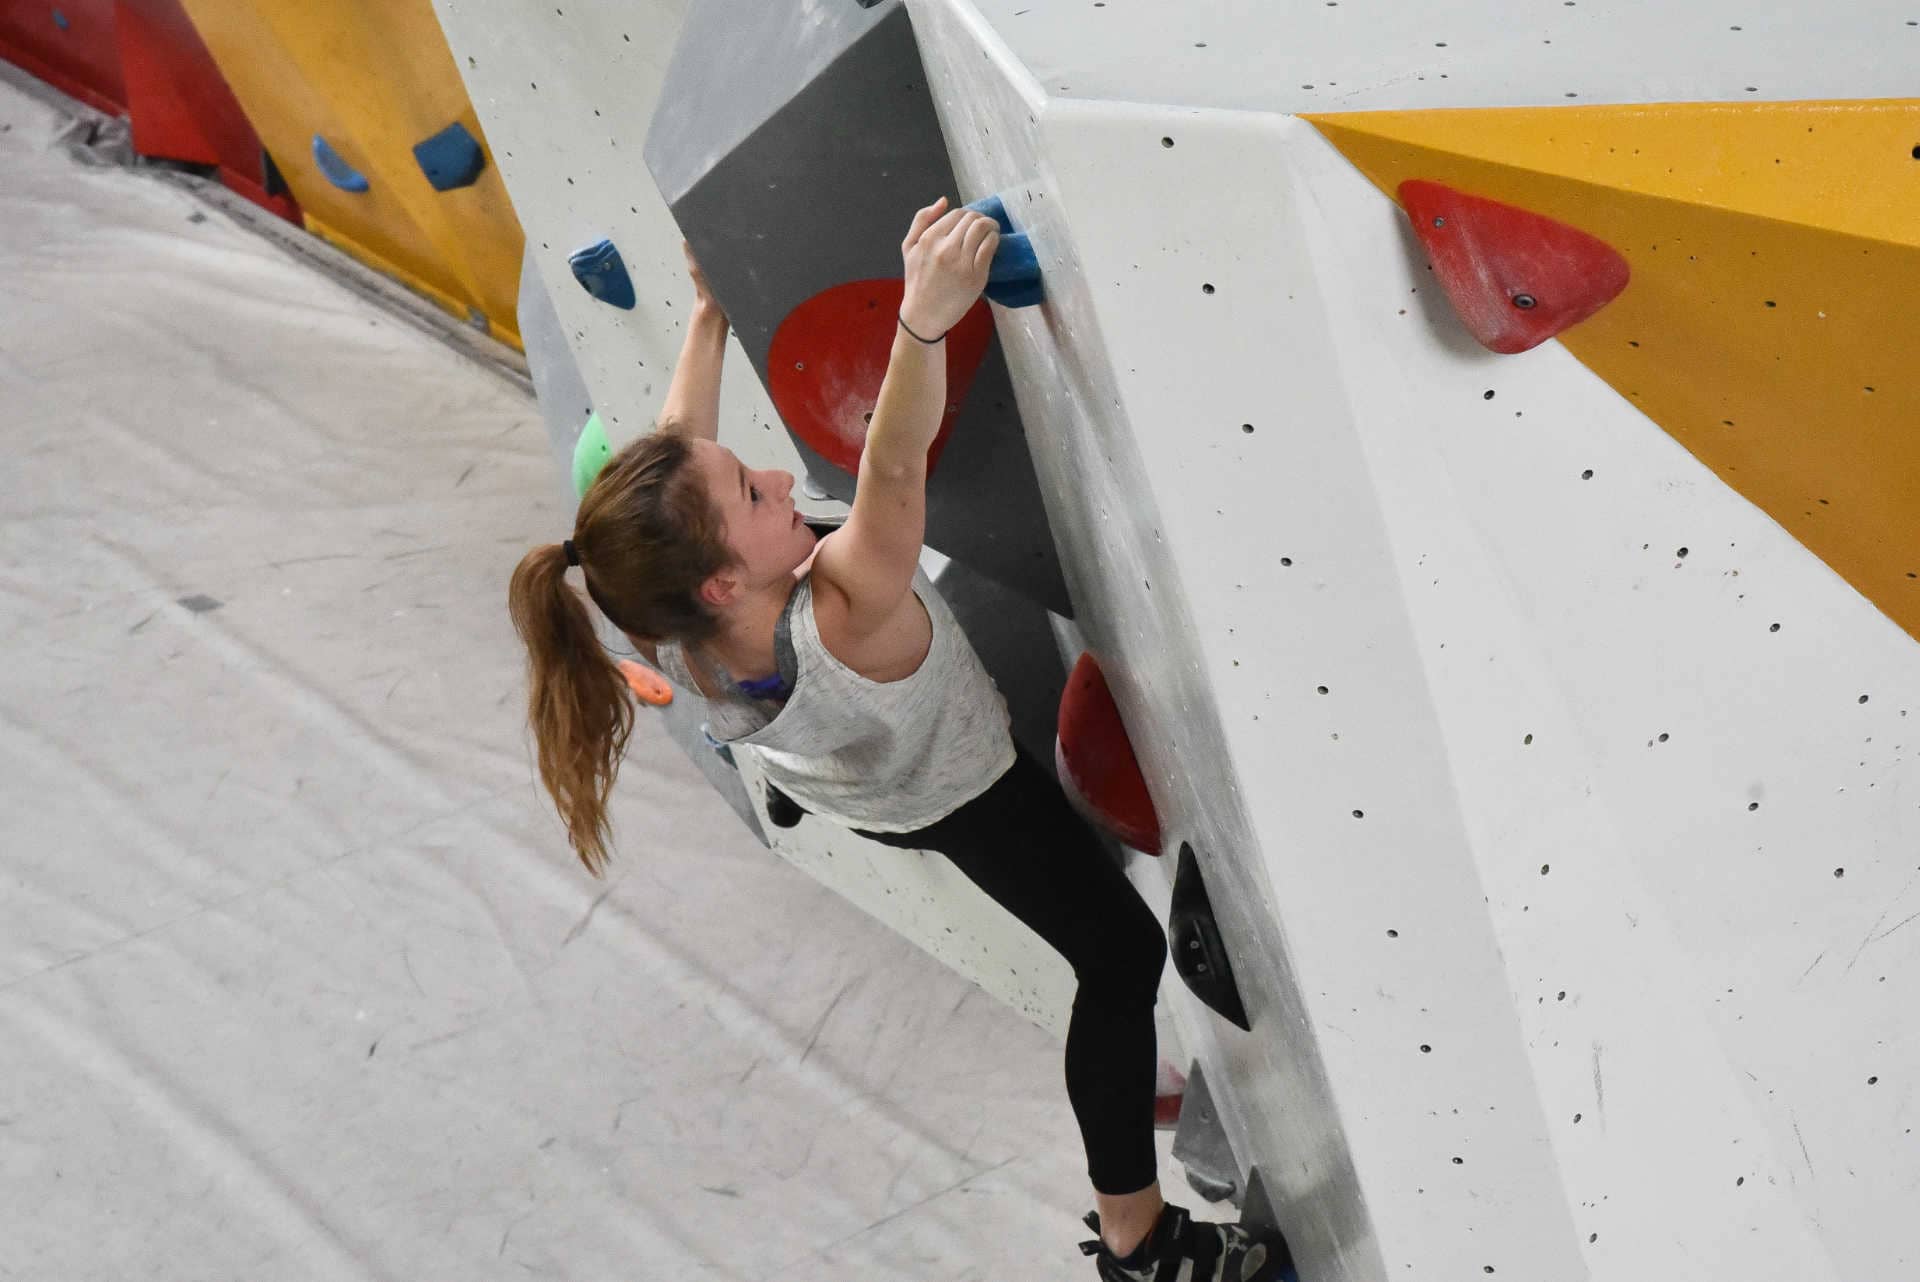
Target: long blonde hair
647,537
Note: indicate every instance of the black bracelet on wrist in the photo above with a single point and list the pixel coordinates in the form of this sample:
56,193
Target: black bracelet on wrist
909,329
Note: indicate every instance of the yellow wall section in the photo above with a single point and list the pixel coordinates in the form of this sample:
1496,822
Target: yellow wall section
373,77
1772,319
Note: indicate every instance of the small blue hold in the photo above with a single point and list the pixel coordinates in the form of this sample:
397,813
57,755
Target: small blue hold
996,209
451,158
60,20
337,171
601,273
1013,278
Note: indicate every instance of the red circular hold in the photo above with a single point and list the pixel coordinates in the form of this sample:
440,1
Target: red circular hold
830,355
1096,755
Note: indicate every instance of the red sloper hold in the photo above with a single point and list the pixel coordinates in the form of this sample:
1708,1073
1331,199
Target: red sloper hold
1095,758
1514,277
829,357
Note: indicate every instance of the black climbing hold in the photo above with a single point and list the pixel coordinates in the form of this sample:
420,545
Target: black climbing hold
783,811
272,179
1525,302
601,272
1199,955
451,158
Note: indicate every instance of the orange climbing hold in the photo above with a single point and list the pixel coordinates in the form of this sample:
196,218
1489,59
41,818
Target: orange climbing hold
1095,759
648,686
1515,278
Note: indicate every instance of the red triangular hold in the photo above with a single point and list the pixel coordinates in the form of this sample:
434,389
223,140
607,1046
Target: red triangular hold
829,357
1515,278
1095,759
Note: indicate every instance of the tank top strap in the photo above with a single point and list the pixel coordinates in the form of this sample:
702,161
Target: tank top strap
673,665
786,658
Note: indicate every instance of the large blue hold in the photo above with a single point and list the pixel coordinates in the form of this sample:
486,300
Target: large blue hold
1013,278
601,273
337,171
451,158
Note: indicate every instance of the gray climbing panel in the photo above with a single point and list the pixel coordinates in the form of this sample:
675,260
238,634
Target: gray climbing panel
793,145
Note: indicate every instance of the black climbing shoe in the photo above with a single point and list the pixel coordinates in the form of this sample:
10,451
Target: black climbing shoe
1180,1250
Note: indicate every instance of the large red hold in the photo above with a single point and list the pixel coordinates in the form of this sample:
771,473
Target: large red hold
829,357
1095,759
1515,278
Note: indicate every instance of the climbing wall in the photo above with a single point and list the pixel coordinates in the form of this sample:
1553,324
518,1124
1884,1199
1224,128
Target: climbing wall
793,149
362,109
1544,739
571,98
567,93
1771,245
72,46
1555,801
142,59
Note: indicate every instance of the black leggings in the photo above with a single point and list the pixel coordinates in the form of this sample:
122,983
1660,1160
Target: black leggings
1026,847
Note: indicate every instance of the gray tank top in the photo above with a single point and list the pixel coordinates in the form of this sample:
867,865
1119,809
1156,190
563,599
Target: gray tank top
884,756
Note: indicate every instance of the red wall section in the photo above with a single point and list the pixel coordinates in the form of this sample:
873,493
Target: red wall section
143,59
180,104
80,59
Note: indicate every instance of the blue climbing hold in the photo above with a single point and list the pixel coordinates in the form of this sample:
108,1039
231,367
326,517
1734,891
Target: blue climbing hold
601,273
1013,278
996,209
451,158
60,20
337,171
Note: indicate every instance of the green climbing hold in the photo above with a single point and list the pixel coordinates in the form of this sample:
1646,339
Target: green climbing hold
590,454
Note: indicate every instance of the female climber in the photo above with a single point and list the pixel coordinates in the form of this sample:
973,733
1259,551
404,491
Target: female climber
835,661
